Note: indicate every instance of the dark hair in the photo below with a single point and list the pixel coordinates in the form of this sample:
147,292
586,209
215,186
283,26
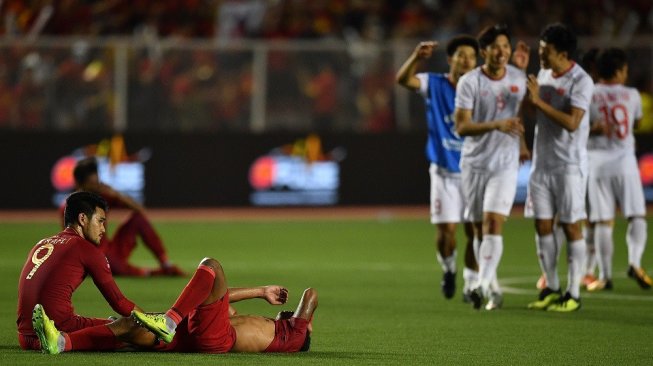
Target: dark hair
461,40
82,202
83,169
490,34
610,61
588,60
561,37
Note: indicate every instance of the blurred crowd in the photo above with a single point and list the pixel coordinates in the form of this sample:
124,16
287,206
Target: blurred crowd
383,19
178,88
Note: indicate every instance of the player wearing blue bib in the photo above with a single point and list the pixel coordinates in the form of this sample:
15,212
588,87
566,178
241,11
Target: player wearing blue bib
443,150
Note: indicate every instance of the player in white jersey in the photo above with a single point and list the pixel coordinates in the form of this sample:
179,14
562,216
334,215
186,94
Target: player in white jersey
614,174
561,94
488,101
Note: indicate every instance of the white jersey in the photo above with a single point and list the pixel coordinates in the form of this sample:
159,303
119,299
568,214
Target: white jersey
490,100
554,148
619,106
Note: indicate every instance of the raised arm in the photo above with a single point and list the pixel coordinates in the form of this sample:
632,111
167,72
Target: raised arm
406,74
273,294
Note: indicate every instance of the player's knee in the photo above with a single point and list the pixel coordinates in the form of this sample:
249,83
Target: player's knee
310,295
213,264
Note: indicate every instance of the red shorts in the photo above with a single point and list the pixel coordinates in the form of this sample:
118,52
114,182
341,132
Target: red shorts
206,329
289,335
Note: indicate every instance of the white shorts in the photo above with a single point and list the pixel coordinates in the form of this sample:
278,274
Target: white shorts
561,193
488,192
447,202
604,192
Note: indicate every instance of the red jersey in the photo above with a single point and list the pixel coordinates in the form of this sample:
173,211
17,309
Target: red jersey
55,267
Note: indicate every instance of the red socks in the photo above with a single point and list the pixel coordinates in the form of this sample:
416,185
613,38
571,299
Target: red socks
97,338
196,291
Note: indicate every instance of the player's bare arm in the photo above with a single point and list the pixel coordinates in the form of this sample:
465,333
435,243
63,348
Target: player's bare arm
466,127
568,121
273,294
406,74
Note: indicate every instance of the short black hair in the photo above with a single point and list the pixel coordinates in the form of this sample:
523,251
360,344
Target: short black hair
490,34
561,37
83,169
82,202
610,61
461,40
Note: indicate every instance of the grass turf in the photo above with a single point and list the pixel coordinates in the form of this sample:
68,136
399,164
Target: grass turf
379,296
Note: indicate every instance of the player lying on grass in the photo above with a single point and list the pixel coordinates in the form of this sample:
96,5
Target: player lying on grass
198,321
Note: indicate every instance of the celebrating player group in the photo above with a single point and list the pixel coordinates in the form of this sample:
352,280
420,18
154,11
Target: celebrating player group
583,159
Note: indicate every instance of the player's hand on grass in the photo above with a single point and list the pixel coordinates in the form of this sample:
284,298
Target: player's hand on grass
275,295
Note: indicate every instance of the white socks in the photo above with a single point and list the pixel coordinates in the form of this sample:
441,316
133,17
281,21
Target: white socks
576,257
636,240
449,263
488,260
604,250
547,254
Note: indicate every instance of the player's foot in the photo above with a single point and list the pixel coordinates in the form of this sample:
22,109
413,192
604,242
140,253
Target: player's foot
476,296
495,301
467,298
448,284
46,331
284,314
639,275
587,279
566,304
544,299
541,282
155,323
599,285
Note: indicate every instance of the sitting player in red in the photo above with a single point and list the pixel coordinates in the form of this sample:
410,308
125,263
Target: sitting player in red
57,265
120,247
199,321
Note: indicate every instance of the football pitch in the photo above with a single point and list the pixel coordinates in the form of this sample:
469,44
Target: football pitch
379,296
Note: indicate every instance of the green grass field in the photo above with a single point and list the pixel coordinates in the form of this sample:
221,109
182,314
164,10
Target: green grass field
379,295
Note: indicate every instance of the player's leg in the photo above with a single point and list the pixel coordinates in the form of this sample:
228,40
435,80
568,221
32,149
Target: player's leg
604,245
139,225
446,210
102,337
634,208
498,198
446,255
207,285
570,201
590,258
470,273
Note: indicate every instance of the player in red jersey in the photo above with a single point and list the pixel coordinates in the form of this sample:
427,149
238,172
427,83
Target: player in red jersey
119,248
57,265
199,321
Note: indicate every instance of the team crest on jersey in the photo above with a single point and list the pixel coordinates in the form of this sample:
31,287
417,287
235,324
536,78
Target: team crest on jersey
514,88
560,91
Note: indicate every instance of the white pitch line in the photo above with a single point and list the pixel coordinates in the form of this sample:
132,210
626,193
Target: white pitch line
594,295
